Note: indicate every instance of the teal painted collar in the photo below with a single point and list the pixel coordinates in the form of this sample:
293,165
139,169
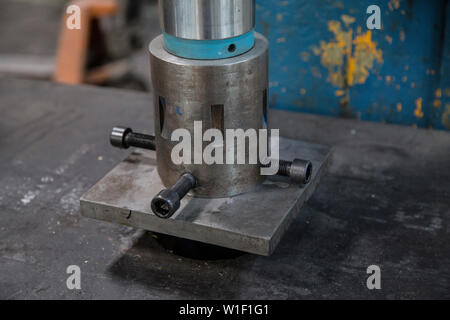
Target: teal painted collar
209,49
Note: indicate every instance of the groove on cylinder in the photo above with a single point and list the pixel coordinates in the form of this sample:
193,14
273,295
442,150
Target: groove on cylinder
217,117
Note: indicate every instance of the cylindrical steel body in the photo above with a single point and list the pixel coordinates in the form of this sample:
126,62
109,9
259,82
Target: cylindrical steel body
207,19
224,94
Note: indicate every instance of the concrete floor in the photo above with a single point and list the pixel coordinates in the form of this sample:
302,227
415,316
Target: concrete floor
385,201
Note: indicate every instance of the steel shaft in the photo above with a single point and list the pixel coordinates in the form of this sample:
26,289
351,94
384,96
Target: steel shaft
207,19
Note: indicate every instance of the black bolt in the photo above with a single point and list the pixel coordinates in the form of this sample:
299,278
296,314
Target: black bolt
167,201
284,167
124,138
297,170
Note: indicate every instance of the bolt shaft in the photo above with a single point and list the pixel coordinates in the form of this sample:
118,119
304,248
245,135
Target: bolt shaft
297,170
284,168
124,138
139,140
183,185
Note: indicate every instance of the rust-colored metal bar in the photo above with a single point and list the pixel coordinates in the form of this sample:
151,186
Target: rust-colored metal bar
74,44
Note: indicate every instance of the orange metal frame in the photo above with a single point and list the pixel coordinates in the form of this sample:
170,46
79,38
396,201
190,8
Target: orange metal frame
73,45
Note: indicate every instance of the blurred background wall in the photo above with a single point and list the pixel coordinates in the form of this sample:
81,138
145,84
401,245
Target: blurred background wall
323,59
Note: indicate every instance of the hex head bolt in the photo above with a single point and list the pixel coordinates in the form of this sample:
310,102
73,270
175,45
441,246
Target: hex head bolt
167,201
124,138
298,170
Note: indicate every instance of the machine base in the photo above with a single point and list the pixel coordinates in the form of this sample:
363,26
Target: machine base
252,222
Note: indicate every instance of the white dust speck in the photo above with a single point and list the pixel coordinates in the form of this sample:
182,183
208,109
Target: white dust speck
279,184
46,179
72,159
70,202
60,170
28,197
436,223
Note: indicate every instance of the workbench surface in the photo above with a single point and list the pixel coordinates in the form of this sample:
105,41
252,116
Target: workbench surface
385,202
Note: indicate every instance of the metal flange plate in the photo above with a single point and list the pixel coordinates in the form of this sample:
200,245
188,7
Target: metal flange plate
252,222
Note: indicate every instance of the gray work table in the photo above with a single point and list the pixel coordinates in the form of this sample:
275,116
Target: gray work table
385,202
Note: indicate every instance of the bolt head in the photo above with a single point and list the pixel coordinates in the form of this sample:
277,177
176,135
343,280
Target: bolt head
300,171
117,137
165,204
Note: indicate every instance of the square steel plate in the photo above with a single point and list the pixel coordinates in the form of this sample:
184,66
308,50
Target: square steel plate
252,222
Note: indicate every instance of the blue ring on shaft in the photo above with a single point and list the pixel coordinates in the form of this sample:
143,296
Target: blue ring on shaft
209,49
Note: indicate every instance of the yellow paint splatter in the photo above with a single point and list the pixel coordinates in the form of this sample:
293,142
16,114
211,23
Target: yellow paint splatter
388,39
437,103
404,78
388,79
393,4
438,93
402,35
344,100
279,17
302,91
339,93
348,20
366,53
446,116
348,59
305,56
418,112
399,107
338,4
316,50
